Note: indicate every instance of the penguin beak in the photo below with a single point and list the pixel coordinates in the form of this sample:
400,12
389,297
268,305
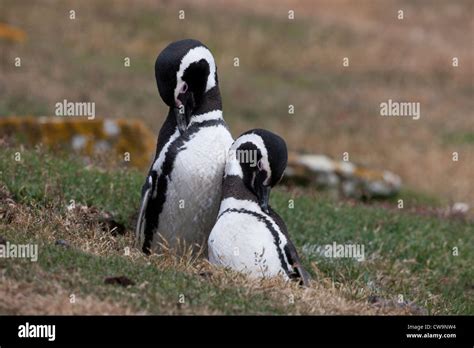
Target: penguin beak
180,119
183,110
263,195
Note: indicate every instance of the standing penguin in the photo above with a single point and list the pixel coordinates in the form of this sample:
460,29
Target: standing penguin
249,236
180,197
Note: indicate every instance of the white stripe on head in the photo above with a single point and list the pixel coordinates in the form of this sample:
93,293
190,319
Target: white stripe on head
195,55
233,166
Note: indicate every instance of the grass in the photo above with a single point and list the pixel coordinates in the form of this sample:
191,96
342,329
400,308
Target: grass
406,254
459,138
282,62
419,247
46,180
158,290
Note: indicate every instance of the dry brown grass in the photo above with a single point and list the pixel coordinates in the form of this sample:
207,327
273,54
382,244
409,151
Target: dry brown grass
321,298
50,298
76,229
415,55
336,108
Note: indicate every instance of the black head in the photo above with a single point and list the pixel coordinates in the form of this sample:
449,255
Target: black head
185,70
259,157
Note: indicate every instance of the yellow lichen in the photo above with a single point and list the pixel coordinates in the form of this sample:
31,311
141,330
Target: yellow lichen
10,33
58,133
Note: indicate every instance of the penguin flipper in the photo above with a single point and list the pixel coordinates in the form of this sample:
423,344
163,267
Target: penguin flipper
303,275
148,216
291,253
141,222
300,272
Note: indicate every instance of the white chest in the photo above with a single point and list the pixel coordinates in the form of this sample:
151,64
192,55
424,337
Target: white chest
247,243
194,187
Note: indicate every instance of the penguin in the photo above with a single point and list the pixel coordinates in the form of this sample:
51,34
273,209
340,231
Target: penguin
249,236
181,194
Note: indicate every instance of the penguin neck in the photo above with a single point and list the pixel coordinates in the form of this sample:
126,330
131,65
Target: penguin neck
233,184
210,109
211,101
233,187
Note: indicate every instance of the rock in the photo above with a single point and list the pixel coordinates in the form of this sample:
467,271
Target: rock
380,302
115,228
91,216
120,280
206,275
460,208
62,243
87,137
347,178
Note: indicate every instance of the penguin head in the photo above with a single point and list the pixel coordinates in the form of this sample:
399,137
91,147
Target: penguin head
185,70
259,158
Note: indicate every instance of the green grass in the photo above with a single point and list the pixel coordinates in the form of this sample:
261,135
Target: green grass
84,274
55,181
20,105
406,254
413,198
282,62
458,138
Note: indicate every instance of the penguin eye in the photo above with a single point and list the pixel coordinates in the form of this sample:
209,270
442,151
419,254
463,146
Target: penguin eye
260,165
184,88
